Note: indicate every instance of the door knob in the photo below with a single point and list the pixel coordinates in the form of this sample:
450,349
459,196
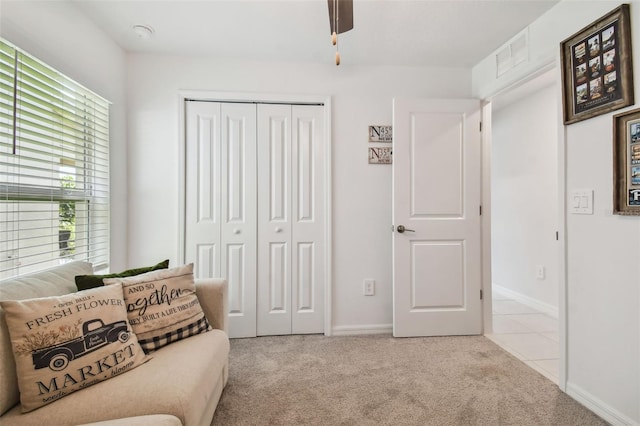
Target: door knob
236,231
278,229
402,229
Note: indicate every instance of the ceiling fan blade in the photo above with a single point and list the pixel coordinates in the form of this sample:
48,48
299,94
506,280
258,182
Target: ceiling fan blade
345,15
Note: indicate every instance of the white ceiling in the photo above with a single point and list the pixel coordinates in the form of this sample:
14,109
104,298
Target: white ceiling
386,32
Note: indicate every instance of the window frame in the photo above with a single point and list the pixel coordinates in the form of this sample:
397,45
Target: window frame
72,122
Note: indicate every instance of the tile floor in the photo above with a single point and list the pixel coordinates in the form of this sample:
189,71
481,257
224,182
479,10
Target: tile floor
527,334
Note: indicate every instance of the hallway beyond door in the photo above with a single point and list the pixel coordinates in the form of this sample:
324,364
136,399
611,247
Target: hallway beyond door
527,334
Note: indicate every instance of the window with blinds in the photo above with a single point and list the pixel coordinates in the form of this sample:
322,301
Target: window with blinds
54,168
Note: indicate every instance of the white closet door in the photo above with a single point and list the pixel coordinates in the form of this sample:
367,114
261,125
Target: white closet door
239,215
307,242
221,208
290,219
239,157
274,219
203,177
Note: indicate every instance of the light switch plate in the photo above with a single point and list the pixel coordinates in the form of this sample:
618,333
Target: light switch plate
581,201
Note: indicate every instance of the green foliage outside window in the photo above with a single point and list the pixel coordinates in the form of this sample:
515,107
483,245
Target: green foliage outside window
67,214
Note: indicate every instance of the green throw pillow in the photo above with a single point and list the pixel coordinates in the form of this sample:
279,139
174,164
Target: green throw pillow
84,282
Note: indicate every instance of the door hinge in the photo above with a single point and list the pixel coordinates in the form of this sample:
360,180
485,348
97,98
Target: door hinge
481,295
557,236
481,126
480,209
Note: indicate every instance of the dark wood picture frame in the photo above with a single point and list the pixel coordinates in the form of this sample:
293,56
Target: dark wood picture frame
626,163
597,70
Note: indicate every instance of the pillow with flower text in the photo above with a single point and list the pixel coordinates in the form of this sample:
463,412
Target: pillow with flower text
162,306
66,343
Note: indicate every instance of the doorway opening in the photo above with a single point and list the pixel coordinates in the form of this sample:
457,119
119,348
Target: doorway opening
526,265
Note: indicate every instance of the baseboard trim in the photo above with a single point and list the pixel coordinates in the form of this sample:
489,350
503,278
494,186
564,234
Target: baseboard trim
527,301
608,413
354,330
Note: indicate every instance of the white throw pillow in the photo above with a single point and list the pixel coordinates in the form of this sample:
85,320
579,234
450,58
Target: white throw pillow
66,343
162,306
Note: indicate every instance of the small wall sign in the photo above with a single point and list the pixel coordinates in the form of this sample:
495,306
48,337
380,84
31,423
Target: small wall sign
380,134
380,155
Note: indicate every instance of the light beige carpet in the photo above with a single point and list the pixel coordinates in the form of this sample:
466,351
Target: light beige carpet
379,380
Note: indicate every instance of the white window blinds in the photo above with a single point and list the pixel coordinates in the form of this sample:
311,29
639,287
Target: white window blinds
54,164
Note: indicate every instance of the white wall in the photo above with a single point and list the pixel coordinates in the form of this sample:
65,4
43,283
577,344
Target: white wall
361,96
524,197
603,250
58,34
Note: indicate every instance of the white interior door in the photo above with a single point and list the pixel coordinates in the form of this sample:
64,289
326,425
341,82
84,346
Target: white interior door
202,200
221,205
290,219
307,201
239,215
274,219
436,198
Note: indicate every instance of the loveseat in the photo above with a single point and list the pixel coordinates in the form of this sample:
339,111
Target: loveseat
180,384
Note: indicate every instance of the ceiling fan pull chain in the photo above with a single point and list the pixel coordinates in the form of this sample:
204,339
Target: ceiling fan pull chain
336,15
334,35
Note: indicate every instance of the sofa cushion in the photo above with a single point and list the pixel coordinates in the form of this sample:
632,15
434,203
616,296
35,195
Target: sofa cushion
56,281
181,379
162,306
62,344
150,420
85,282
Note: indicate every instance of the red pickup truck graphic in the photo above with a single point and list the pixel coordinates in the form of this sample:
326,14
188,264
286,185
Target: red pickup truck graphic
95,334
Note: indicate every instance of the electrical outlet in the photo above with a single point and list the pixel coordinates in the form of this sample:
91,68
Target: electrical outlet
540,272
369,287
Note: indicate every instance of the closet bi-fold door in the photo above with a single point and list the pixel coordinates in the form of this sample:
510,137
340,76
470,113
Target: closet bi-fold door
221,209
290,219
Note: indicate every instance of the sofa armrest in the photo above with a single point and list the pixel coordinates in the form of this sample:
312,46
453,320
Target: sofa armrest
213,297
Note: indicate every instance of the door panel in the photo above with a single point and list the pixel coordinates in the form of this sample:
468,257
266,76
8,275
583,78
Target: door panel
304,172
437,261
208,149
436,196
235,266
278,171
305,280
239,215
278,282
202,213
274,220
236,167
307,153
207,258
436,181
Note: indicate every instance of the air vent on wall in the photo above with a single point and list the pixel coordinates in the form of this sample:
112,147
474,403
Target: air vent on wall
515,52
503,61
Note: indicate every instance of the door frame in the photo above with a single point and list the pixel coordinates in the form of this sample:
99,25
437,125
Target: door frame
249,97
561,213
